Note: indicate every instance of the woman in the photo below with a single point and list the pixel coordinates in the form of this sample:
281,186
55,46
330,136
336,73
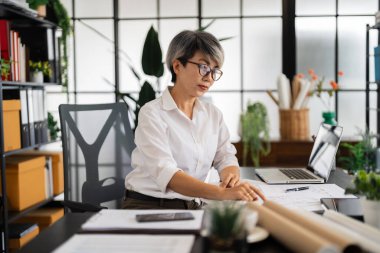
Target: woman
179,138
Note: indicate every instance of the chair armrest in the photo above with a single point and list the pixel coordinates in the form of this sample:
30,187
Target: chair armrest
78,207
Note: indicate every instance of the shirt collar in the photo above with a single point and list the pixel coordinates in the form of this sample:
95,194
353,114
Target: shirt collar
168,102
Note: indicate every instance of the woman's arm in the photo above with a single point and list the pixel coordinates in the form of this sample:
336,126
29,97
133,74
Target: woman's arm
189,186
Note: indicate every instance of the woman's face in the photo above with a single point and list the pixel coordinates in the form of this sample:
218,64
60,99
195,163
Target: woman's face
189,77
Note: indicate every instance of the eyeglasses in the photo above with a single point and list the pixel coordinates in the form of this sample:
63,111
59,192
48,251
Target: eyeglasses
204,70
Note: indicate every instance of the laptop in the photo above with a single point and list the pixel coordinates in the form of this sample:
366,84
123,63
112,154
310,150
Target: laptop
321,160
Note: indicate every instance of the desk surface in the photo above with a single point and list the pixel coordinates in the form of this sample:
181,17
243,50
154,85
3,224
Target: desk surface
50,238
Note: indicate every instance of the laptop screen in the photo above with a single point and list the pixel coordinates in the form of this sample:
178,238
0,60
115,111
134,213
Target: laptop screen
324,149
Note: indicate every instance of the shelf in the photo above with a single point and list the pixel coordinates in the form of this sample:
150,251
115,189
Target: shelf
18,151
14,215
374,82
24,84
21,16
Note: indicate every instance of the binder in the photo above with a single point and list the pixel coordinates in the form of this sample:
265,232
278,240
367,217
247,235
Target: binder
36,116
25,138
44,116
32,137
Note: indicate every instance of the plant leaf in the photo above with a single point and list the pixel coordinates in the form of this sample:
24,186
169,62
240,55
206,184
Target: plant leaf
226,38
152,55
202,28
146,94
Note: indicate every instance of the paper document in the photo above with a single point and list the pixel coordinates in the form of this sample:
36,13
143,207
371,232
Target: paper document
125,220
100,243
307,199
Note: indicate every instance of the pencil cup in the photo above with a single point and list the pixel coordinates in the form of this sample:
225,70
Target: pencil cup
294,124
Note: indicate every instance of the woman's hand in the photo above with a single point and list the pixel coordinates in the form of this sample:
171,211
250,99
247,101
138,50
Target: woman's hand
243,191
230,177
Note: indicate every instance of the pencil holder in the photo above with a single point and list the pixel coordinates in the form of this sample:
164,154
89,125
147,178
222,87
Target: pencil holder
294,124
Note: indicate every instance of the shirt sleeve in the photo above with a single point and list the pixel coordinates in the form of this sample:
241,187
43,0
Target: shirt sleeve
226,152
153,152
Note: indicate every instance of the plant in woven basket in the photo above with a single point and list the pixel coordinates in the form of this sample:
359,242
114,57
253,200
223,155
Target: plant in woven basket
255,132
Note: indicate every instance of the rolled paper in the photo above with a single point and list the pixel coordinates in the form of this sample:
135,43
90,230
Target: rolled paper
292,235
319,225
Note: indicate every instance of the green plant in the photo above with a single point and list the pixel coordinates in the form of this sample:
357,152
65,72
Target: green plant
53,127
42,66
366,184
35,3
362,155
152,65
63,20
5,66
255,132
226,219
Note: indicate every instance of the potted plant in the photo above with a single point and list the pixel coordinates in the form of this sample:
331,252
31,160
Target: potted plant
152,65
5,66
255,132
367,185
226,227
53,127
362,155
57,13
39,6
39,69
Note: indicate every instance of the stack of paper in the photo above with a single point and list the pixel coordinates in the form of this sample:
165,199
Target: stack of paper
101,243
125,221
309,200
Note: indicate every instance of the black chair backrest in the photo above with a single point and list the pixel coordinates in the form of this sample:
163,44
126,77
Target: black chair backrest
97,146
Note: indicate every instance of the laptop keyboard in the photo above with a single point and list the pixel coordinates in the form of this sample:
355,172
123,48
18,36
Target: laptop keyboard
297,174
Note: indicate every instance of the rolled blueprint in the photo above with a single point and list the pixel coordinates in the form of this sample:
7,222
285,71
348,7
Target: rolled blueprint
323,227
292,235
283,87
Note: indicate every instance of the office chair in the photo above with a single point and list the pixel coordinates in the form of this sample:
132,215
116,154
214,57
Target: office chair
97,146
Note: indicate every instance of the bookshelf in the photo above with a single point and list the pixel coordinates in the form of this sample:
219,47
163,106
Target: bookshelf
39,37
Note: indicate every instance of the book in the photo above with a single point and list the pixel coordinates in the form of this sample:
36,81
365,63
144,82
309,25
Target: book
4,43
19,230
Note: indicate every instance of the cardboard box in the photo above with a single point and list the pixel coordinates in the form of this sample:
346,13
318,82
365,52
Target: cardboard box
44,217
57,161
25,177
12,130
23,234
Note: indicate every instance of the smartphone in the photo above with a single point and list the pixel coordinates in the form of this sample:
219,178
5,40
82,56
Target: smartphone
164,217
350,207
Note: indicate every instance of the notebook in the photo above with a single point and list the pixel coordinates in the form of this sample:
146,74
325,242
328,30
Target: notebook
320,163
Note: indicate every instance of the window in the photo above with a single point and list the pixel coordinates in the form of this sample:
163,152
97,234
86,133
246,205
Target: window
253,55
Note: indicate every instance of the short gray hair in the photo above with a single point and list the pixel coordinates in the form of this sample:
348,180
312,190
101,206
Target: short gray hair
185,44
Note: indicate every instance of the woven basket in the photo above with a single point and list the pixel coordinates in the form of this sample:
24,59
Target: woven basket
294,124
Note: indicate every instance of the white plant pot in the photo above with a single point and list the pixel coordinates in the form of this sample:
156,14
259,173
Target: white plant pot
41,11
37,77
371,211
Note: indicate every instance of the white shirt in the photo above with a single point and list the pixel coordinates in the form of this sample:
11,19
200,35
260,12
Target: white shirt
168,141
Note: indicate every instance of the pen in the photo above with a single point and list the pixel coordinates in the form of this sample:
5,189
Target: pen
297,189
